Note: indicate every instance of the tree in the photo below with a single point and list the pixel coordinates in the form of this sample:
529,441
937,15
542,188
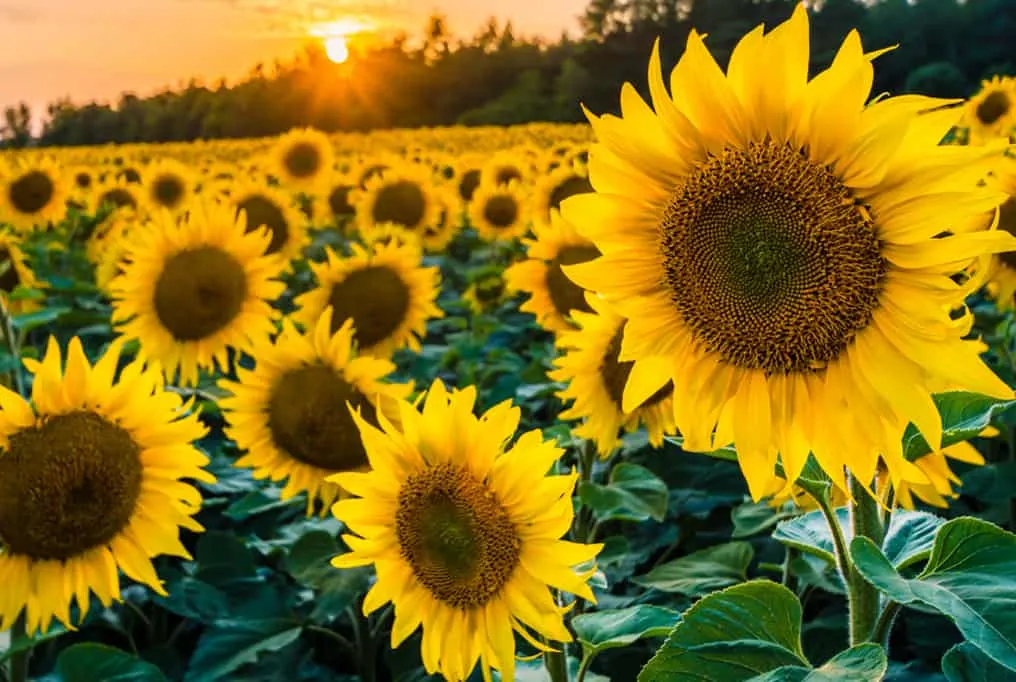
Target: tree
17,129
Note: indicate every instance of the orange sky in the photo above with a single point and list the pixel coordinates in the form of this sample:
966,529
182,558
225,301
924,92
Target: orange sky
96,49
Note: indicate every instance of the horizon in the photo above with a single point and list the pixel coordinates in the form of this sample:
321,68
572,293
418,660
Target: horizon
100,51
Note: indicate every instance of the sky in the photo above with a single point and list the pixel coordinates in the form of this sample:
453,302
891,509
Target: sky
96,49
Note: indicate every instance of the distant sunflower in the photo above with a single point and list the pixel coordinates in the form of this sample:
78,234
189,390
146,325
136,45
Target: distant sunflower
384,291
467,179
81,179
390,233
486,292
499,212
334,204
1002,272
504,168
108,250
557,186
266,206
90,484
118,197
436,236
596,379
302,157
290,414
168,185
33,193
464,532
403,196
776,244
15,272
553,296
191,292
991,113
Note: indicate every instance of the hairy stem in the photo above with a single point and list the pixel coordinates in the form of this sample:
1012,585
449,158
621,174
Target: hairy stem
866,521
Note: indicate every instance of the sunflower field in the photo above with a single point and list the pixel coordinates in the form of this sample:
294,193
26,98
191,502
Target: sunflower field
720,389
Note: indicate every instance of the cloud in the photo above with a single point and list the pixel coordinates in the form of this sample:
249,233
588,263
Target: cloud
19,12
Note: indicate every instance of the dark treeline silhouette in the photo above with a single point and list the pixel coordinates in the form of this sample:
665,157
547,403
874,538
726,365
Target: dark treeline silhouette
945,49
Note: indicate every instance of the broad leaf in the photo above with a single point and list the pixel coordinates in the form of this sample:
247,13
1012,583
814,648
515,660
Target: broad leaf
194,599
89,662
26,322
701,572
21,643
228,645
964,416
810,533
754,517
970,577
223,559
966,663
602,630
733,635
309,563
862,663
634,493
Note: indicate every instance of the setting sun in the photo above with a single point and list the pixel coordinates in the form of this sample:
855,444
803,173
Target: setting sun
337,49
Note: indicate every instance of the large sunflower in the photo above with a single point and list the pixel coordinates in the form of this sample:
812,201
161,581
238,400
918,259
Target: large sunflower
463,533
90,483
596,380
402,195
14,273
302,157
384,290
33,193
991,113
553,296
266,206
191,292
290,415
499,212
777,246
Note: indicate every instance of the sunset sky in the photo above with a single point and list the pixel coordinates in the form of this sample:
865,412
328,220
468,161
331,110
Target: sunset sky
96,49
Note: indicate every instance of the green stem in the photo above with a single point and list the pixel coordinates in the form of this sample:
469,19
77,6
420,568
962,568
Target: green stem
885,624
1012,458
20,660
866,521
787,577
557,667
348,647
839,541
584,668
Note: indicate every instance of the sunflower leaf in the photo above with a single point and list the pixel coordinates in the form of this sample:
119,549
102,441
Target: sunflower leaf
964,416
309,564
970,577
604,630
87,662
634,493
701,572
862,663
228,645
966,663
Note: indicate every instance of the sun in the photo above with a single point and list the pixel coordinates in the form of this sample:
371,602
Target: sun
337,49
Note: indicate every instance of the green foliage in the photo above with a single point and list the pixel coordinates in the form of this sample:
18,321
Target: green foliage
966,663
90,662
633,493
604,630
699,573
964,416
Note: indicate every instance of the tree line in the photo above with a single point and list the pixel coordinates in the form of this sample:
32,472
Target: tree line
946,47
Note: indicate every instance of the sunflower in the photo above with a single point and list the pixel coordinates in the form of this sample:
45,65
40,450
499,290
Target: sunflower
553,296
191,292
264,206
596,379
169,185
14,273
991,113
81,179
33,193
402,195
463,533
119,197
499,212
390,233
334,204
383,290
290,414
436,236
108,248
302,157
467,178
775,244
505,167
487,290
90,483
1002,271
557,186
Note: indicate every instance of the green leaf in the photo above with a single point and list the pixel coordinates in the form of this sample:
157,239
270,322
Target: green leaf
194,599
309,562
810,533
29,321
966,663
732,635
862,663
754,517
701,572
228,645
224,559
634,493
89,662
964,416
23,643
970,577
602,630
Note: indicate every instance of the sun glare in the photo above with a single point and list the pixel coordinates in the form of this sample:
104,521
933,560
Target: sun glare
337,49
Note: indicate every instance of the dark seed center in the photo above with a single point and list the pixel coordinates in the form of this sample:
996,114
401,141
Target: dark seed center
993,107
615,375
468,183
501,211
506,174
338,201
308,418
263,211
456,535
83,180
402,203
199,292
376,299
1007,222
168,190
303,160
118,198
565,294
9,279
129,175
67,486
32,192
572,185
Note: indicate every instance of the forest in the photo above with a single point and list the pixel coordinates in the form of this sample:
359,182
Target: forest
945,48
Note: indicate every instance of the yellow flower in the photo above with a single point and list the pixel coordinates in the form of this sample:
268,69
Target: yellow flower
290,415
16,273
168,185
463,532
33,193
499,212
90,483
302,157
556,186
264,206
401,195
777,245
991,113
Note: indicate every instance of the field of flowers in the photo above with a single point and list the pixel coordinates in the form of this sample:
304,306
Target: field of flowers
719,389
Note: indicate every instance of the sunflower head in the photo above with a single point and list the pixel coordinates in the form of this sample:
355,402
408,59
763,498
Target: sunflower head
15,272
773,241
991,113
499,212
168,185
555,187
90,483
118,197
261,206
464,532
191,291
487,290
33,193
403,196
302,157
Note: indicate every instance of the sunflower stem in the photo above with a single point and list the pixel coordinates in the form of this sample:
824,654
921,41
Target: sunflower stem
14,346
865,521
20,660
884,626
557,667
839,541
